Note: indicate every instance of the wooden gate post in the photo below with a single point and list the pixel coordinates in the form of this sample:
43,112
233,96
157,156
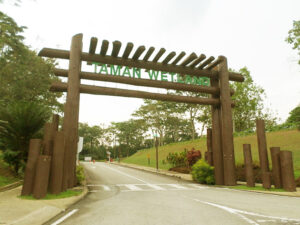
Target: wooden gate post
248,165
71,114
216,139
226,124
275,154
287,171
209,147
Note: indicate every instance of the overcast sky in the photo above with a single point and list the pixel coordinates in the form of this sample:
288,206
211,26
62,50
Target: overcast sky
249,33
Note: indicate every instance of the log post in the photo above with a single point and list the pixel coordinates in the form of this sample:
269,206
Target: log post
217,152
262,145
266,177
42,176
71,113
248,165
209,146
226,124
48,139
287,171
275,154
57,163
33,154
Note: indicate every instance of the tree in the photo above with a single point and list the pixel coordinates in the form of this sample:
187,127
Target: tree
24,76
294,118
20,122
249,105
294,37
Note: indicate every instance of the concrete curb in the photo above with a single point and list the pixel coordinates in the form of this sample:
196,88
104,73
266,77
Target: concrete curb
11,186
188,177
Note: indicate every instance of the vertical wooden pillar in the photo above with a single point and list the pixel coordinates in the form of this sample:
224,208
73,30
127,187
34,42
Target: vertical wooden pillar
275,154
216,139
226,124
47,139
71,113
209,146
248,165
262,145
33,154
287,171
42,176
55,123
57,163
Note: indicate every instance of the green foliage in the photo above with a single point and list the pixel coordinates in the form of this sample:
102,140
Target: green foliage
80,175
294,118
193,156
203,173
294,37
177,159
22,121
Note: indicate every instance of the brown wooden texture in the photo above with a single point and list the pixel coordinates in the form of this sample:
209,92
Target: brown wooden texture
158,55
148,54
169,57
142,82
97,90
138,52
266,178
57,163
35,146
71,114
55,123
216,138
248,165
197,61
171,68
262,145
42,176
287,171
188,59
227,125
127,50
275,154
48,139
206,62
209,146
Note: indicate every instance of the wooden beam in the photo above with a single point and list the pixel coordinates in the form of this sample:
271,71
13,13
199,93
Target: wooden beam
159,54
188,59
97,90
104,47
213,64
168,58
206,62
141,82
177,59
127,50
138,52
197,61
148,54
116,48
173,68
93,46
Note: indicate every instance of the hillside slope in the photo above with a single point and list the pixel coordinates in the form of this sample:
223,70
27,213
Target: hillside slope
286,140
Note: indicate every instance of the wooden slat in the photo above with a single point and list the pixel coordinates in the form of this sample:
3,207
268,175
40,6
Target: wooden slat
63,54
127,50
138,52
97,90
116,48
141,82
188,59
93,46
206,62
148,54
197,61
177,59
159,54
213,64
104,47
168,58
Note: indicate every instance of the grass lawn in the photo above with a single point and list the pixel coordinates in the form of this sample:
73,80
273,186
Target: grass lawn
257,188
286,140
65,194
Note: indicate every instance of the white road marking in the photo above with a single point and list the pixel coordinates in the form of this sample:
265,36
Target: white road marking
177,186
132,187
156,187
65,217
239,212
197,186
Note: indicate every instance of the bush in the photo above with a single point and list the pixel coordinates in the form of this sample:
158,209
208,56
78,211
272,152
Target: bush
203,173
298,182
80,175
177,159
193,156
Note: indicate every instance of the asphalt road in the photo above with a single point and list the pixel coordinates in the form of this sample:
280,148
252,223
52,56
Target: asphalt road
120,195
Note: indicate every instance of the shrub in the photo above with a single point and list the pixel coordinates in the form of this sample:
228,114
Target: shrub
177,159
193,156
298,182
241,173
203,173
80,175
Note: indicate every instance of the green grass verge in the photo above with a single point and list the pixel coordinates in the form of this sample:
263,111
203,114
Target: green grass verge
7,180
65,194
285,139
257,188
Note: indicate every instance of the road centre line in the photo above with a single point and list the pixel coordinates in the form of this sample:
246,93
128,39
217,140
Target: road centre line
65,217
133,187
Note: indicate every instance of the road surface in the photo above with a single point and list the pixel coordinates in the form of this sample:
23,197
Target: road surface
121,196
